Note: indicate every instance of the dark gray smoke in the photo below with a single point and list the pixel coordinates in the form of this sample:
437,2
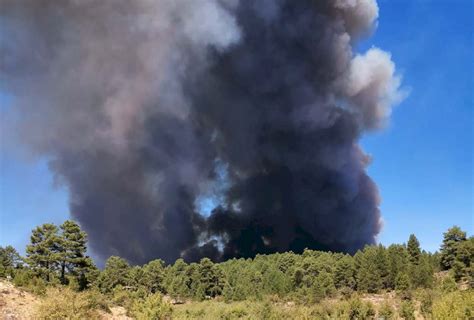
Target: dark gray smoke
219,128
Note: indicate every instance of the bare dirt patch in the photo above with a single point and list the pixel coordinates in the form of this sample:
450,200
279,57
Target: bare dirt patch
16,304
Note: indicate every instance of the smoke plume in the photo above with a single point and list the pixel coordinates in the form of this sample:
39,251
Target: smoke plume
219,128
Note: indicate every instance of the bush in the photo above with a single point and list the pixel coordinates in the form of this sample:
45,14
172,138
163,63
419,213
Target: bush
426,303
121,296
22,277
235,313
402,282
360,310
265,311
455,305
407,310
386,312
151,307
37,286
449,284
67,304
346,292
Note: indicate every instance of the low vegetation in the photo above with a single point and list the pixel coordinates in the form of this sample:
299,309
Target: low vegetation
394,282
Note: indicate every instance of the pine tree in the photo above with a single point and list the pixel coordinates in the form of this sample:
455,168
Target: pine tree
402,282
381,262
154,276
369,277
72,253
344,273
413,248
116,273
9,260
464,261
451,240
422,273
323,286
210,278
407,310
177,279
43,251
398,263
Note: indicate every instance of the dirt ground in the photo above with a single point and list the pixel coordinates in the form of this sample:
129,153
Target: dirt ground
16,304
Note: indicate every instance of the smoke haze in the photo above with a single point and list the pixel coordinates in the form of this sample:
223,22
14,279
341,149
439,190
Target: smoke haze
218,128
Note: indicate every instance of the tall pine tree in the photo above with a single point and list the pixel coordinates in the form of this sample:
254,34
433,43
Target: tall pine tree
72,255
42,252
449,248
413,248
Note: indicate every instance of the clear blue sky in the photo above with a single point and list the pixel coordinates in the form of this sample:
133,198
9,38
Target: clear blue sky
422,163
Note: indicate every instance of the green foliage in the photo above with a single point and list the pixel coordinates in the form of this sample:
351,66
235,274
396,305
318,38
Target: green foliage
372,269
154,276
402,282
398,263
151,307
448,284
67,304
449,248
72,255
116,273
121,296
421,273
23,277
426,303
323,286
455,305
42,252
386,312
407,310
344,273
178,280
275,286
60,253
9,261
463,264
360,310
413,248
209,278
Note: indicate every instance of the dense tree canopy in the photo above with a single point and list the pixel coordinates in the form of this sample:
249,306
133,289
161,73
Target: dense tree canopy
59,253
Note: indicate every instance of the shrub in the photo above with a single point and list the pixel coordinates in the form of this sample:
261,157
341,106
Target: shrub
360,310
151,307
407,310
121,296
426,303
449,284
22,277
455,305
402,282
67,304
235,313
346,292
265,311
386,312
37,286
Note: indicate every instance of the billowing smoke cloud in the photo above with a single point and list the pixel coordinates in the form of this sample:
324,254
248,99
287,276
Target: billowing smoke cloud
219,128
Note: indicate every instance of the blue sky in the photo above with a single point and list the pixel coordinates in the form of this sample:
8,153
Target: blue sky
422,162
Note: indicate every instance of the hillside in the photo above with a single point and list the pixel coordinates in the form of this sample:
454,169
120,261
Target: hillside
19,304
396,282
16,303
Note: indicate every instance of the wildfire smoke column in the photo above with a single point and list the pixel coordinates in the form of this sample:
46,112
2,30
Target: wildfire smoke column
218,128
